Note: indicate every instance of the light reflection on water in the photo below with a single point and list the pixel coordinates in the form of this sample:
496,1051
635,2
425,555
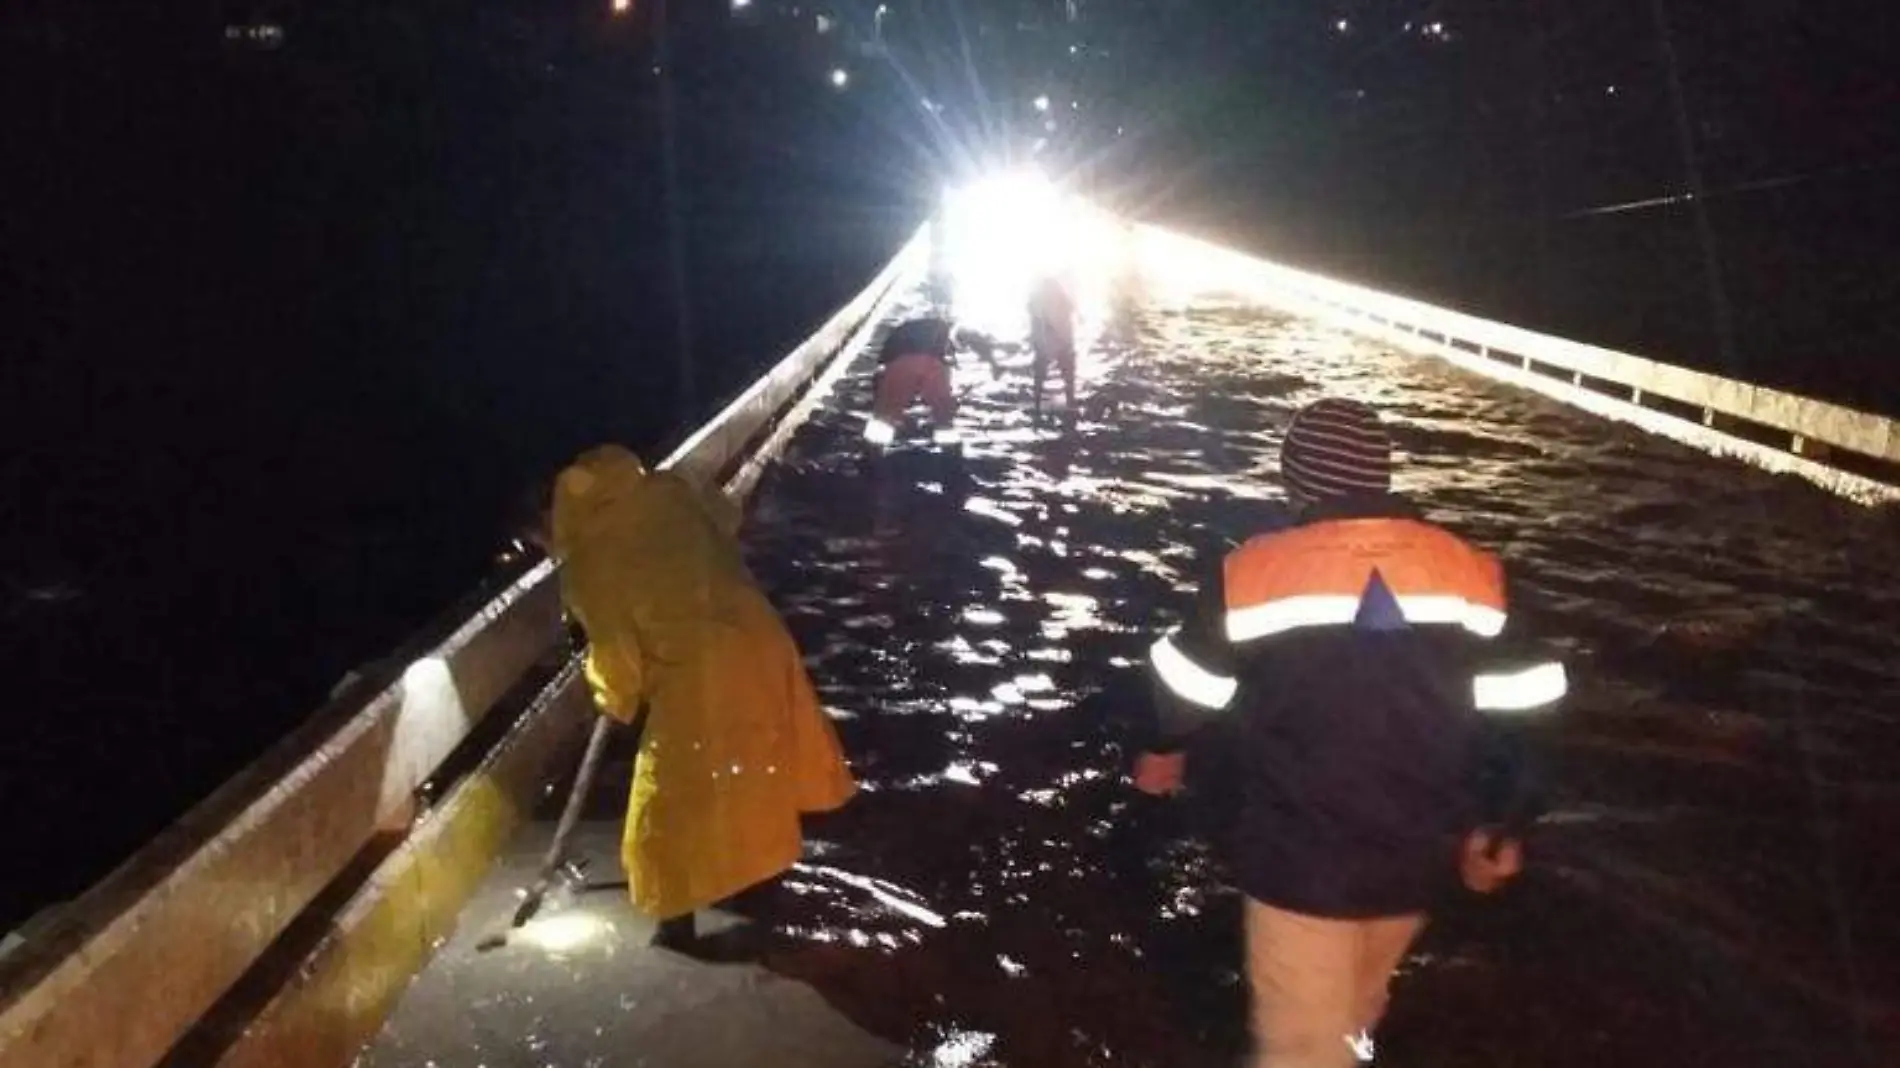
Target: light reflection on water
993,635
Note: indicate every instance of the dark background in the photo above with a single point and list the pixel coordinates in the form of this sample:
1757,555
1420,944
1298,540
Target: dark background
300,294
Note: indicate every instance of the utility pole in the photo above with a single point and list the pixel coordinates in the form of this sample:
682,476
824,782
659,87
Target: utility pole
1698,206
687,393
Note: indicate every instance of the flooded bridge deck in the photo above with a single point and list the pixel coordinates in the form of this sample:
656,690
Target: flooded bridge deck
1708,889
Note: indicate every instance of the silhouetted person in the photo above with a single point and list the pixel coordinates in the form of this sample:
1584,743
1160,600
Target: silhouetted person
1052,339
915,364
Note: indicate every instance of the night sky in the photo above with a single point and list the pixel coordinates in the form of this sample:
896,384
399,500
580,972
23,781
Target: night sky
301,293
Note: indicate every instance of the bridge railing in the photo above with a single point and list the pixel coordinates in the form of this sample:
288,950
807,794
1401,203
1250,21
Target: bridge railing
317,880
275,923
1853,453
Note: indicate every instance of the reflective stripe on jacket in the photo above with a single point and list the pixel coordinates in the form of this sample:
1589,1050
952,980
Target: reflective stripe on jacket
1355,654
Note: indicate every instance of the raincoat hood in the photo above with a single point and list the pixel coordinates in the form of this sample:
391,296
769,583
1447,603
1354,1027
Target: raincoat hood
592,485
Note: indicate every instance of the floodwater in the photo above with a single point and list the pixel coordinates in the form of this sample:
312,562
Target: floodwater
1707,890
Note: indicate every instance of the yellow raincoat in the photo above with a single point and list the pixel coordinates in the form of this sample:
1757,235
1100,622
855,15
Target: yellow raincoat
735,745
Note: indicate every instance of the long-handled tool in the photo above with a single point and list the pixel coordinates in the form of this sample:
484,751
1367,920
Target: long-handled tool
554,866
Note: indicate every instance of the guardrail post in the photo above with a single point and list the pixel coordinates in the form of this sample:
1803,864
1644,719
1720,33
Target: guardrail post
1807,447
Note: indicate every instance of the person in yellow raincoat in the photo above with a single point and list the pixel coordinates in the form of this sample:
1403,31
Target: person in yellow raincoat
734,746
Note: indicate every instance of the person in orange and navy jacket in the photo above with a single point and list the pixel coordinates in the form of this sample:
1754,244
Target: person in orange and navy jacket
914,363
1359,653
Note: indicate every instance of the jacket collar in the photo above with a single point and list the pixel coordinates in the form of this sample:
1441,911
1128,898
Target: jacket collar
1359,506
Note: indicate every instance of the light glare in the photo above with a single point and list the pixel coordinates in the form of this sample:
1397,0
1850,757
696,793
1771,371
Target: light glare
565,933
1010,230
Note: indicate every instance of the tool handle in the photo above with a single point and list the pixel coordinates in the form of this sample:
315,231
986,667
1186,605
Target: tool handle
576,798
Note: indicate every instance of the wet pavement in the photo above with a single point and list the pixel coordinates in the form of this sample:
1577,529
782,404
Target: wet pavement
1707,889
577,987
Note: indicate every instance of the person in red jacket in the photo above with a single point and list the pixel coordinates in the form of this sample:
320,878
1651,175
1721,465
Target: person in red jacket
914,364
1358,653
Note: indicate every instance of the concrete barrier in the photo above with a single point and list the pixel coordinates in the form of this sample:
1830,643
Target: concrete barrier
119,977
1853,453
173,928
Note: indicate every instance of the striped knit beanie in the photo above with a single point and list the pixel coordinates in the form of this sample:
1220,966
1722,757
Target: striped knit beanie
1336,448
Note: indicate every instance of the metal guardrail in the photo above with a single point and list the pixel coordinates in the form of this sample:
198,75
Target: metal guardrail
1852,453
117,978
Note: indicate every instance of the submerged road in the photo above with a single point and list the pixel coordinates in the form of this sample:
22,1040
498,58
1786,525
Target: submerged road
1708,890
1712,886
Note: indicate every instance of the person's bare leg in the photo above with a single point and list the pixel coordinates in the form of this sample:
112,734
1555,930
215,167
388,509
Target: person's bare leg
1302,972
1382,945
1039,367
